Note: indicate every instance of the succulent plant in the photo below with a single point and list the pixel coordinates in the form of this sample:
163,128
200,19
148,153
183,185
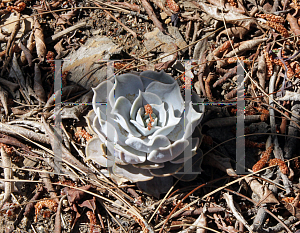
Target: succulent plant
142,129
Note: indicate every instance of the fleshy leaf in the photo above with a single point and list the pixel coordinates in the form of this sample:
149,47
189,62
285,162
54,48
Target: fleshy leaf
168,153
193,119
89,118
132,173
101,92
101,127
95,151
109,173
128,86
144,130
169,93
167,170
160,112
129,155
170,124
149,76
147,145
139,118
186,125
120,124
121,110
184,156
197,102
149,165
160,120
143,99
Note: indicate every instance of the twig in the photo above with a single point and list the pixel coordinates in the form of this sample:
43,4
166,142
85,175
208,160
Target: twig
201,74
261,71
209,78
132,7
200,221
64,32
268,211
279,226
16,131
65,91
196,29
57,226
66,155
10,46
291,143
222,225
118,21
259,219
31,203
14,142
152,16
6,163
135,195
3,99
230,73
277,150
47,182
245,46
230,121
200,211
238,216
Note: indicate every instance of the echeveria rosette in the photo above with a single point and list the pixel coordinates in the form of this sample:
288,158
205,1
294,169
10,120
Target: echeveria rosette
142,146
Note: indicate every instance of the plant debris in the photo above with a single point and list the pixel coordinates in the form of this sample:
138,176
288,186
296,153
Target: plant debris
207,45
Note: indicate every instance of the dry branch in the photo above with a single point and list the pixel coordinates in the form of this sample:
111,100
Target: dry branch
152,15
6,163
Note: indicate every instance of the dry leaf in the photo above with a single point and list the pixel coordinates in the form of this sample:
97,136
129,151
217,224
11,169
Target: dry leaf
161,5
265,194
39,41
75,195
229,17
38,86
294,24
69,15
90,203
26,53
61,52
234,31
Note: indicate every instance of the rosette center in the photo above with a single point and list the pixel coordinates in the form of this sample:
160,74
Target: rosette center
149,117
